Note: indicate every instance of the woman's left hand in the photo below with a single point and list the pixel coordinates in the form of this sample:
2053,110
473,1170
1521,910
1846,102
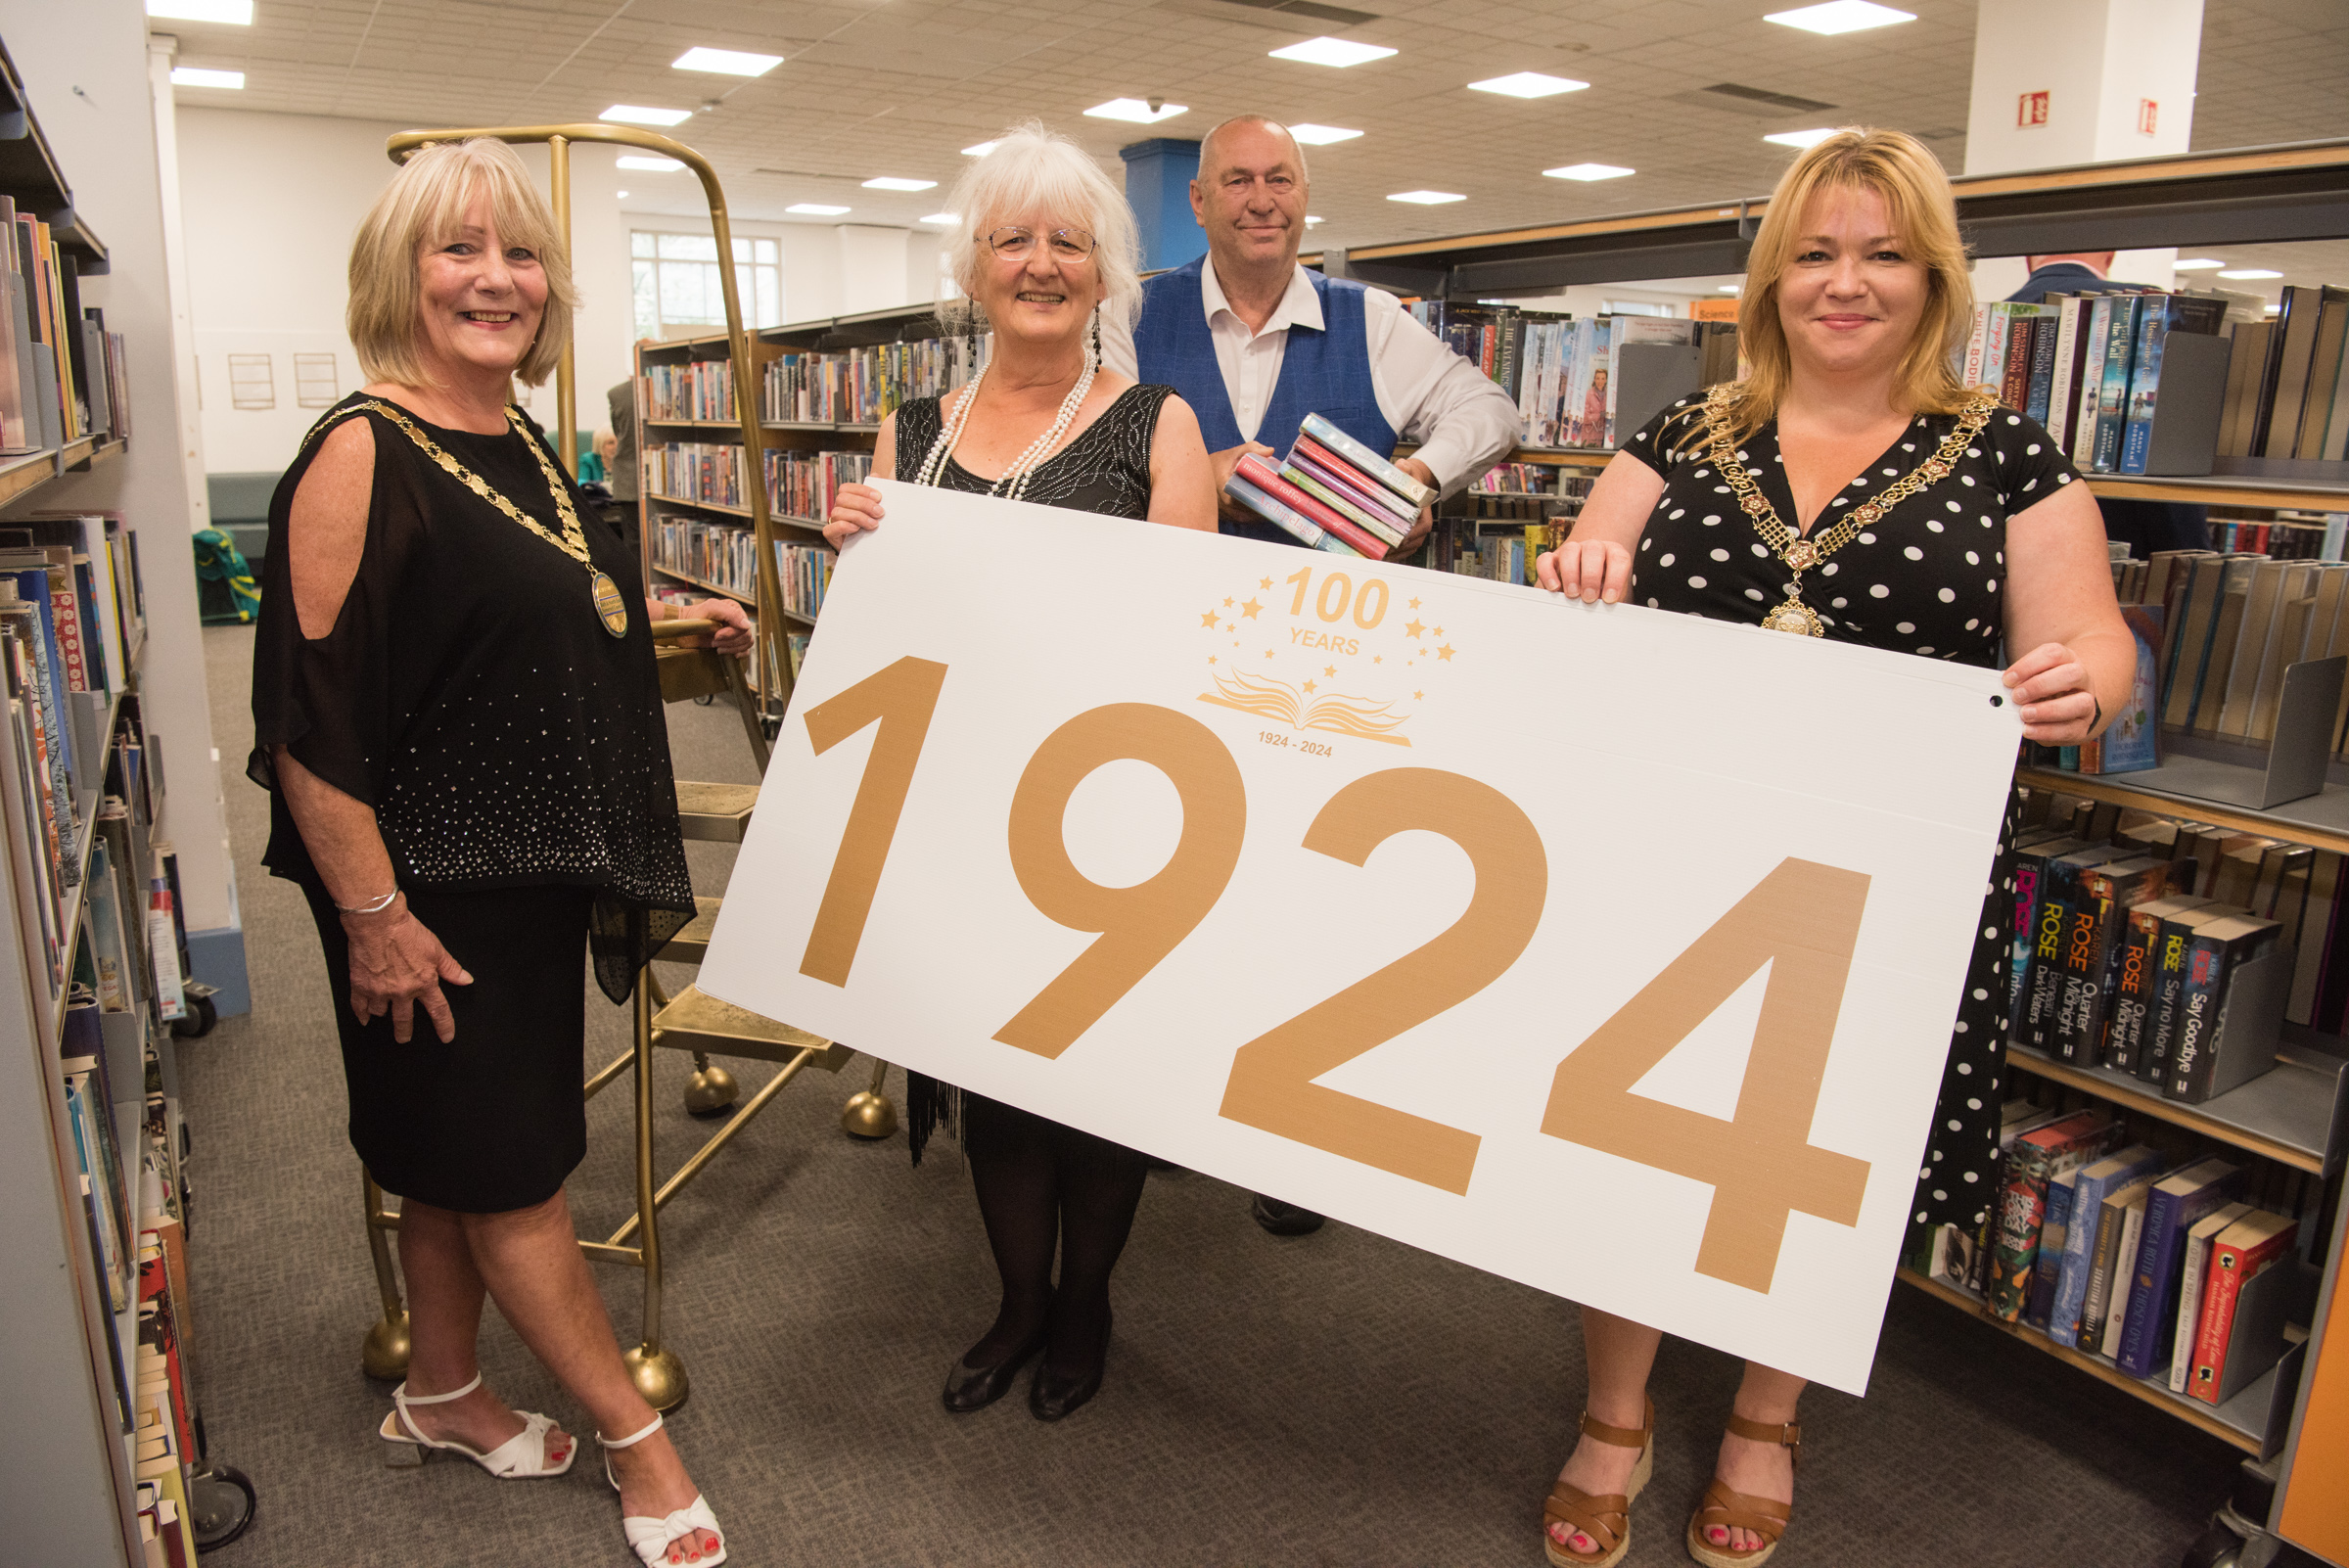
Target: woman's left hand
734,625
2048,686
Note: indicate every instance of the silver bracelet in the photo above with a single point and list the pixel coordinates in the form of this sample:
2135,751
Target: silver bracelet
376,908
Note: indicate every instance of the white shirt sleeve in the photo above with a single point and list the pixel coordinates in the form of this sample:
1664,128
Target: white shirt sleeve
1460,418
1116,346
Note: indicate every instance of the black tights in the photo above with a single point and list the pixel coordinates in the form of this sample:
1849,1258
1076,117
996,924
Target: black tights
1042,1185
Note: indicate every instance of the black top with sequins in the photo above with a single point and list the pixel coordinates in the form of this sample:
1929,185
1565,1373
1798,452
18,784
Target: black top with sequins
1926,580
470,694
1106,468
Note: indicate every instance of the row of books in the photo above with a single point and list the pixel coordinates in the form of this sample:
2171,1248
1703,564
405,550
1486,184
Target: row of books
2162,1266
1530,478
864,386
1332,492
2288,537
2087,366
1560,368
807,572
699,389
2288,381
2233,624
725,555
708,472
61,371
802,484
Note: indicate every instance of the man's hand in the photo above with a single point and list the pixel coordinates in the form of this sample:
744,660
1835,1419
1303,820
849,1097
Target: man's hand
1223,461
1427,514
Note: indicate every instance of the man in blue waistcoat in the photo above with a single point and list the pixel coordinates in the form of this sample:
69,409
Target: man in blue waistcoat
1254,342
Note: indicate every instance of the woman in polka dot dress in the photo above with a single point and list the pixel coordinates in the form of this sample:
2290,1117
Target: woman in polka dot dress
1980,543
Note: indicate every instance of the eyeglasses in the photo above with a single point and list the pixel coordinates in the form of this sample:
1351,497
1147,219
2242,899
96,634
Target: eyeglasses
1016,243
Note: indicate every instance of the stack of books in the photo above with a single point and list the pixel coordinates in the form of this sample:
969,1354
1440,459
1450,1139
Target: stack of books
2087,366
1332,492
2288,381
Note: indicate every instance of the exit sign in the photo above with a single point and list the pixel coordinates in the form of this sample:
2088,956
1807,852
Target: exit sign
2148,113
2031,109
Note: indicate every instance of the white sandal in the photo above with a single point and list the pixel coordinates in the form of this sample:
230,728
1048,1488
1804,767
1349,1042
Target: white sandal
521,1457
649,1537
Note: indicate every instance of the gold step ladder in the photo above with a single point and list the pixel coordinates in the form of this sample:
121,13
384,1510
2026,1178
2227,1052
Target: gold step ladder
692,1020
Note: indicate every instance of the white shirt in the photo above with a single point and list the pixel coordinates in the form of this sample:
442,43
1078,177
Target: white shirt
1462,420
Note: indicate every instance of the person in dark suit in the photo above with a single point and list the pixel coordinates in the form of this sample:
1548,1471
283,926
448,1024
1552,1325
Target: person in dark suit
2143,526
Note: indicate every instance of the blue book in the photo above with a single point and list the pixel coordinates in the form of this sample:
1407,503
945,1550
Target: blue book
2144,381
2042,362
2091,380
2112,397
2054,1234
1306,529
2150,1331
2128,743
2095,1184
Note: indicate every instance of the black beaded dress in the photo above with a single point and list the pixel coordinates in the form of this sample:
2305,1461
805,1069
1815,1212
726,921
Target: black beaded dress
516,760
1926,581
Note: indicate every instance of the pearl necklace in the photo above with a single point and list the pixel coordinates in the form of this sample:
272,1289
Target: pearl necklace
1024,466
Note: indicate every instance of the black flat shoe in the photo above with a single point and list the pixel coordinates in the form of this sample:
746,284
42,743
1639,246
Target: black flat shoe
975,1388
1054,1395
1283,1219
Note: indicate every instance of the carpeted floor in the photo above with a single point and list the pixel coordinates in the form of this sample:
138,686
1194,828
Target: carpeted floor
1335,1398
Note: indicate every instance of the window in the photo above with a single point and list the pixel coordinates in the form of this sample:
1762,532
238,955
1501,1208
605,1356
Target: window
677,284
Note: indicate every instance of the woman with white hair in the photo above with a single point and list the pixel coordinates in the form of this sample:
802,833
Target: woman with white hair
456,715
1044,244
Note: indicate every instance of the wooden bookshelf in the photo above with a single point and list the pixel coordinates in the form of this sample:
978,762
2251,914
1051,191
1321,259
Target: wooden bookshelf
24,473
674,574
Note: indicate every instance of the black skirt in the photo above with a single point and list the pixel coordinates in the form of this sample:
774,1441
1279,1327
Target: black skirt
496,1118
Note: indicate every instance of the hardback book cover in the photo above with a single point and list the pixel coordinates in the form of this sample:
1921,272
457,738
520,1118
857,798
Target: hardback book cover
2083,1234
1326,518
2117,1233
2137,963
2238,1255
2220,948
2133,740
2106,892
2193,1279
2054,1231
2172,1207
2267,1307
2035,1159
1367,460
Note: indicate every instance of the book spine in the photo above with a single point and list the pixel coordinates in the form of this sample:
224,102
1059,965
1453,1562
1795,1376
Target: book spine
2064,381
2045,985
2081,970
2217,1323
2191,1298
2112,398
2148,1284
2044,333
2187,1074
2099,1300
67,606
1304,527
2145,381
2176,944
2132,992
1345,506
2123,1279
1975,342
2054,1237
2015,384
2014,1235
1324,517
1367,491
2091,380
1369,462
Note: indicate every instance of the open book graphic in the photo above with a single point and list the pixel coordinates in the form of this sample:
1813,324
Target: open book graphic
1278,699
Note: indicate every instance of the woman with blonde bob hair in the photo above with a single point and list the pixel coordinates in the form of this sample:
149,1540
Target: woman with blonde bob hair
456,715
1850,488
1043,245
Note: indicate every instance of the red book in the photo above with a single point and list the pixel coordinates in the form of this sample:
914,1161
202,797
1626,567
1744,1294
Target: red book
1256,472
66,605
1325,461
2014,383
2244,1249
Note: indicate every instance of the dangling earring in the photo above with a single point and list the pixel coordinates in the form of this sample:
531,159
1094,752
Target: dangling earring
1093,350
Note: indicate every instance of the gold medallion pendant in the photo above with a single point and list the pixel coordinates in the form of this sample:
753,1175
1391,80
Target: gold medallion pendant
1796,617
609,604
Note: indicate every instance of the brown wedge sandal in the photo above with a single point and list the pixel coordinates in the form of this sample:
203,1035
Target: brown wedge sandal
1765,1517
1604,1519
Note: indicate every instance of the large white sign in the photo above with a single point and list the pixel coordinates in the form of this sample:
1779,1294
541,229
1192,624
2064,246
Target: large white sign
1610,951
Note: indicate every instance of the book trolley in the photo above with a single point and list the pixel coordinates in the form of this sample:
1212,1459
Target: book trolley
2292,1422
691,1020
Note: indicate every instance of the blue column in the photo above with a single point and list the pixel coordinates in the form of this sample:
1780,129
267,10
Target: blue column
1157,187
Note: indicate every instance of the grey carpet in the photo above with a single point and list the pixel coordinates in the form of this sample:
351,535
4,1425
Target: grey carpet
1336,1398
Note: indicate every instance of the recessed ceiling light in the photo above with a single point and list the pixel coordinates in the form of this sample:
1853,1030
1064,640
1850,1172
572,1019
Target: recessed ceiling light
620,196
1339,51
1840,16
235,13
1136,111
1528,84
949,219
1801,138
725,61
1730,288
1310,221
638,114
1321,135
1589,172
2250,272
1427,198
2199,263
890,182
647,163
979,149
198,76
815,209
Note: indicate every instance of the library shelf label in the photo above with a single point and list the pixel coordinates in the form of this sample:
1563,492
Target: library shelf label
1589,945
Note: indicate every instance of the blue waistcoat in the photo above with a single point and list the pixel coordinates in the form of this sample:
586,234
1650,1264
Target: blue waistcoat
1326,372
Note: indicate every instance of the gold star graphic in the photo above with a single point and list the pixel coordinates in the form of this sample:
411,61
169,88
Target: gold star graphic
1329,669
1414,604
1265,583
1267,652
1439,631
1378,659
1309,685
1418,696
1250,608
1414,630
1207,620
1210,659
1228,604
1445,653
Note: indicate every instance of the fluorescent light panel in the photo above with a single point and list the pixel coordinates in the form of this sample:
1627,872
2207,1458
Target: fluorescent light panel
2200,264
198,76
639,114
1801,138
979,149
1310,221
1339,51
890,182
1840,16
725,61
1321,135
2250,272
647,163
1730,288
235,13
815,209
1133,110
1427,198
948,219
1528,84
1589,172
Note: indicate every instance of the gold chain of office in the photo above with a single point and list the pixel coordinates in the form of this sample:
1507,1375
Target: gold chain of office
1801,554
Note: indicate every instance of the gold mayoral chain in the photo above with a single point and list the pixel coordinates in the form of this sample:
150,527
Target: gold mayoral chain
572,541
1801,554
